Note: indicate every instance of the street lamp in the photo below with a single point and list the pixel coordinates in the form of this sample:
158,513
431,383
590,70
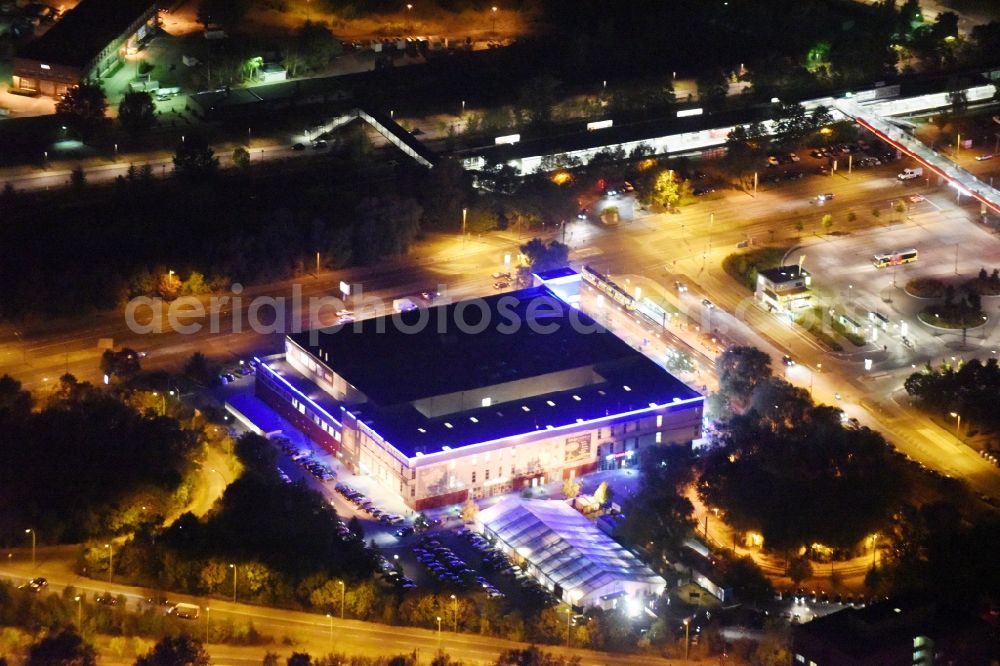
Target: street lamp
343,593
493,9
958,423
439,628
330,617
31,531
208,622
687,636
454,610
569,617
79,613
111,560
233,567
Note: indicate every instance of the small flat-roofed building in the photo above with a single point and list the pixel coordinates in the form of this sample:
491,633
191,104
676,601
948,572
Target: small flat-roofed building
478,398
903,632
89,41
785,288
568,554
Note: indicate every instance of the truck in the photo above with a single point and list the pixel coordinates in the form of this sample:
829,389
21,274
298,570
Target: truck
910,174
185,611
403,304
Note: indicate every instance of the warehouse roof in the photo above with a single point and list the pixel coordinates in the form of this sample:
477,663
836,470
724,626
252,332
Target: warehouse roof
85,31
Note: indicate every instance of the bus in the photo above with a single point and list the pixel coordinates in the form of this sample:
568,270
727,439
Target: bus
894,258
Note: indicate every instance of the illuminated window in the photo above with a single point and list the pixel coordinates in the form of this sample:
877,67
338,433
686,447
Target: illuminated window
474,419
659,420
550,403
659,437
525,408
487,402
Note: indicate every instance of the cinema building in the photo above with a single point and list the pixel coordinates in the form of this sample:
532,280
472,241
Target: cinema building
479,397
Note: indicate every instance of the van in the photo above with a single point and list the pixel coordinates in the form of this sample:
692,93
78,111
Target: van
910,174
185,611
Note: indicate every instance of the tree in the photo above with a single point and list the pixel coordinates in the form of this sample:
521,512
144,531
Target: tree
713,87
78,178
241,157
299,659
62,647
82,109
137,112
603,493
666,190
827,222
532,656
384,226
740,369
180,650
799,569
315,46
198,369
194,159
544,256
469,511
445,194
571,488
225,13
122,364
536,99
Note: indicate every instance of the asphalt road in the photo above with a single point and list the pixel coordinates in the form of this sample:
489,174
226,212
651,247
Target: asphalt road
662,248
310,631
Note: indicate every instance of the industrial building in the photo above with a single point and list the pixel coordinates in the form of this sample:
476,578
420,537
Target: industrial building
569,555
87,44
478,398
904,631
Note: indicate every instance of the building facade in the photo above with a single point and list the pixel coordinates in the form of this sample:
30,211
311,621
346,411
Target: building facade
784,289
439,418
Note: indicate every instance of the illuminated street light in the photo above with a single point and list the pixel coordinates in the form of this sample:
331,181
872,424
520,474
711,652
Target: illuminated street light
687,637
31,531
958,423
494,11
454,610
79,613
439,628
233,567
343,592
111,560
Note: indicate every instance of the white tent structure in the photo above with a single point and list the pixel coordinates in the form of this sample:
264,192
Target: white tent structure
568,554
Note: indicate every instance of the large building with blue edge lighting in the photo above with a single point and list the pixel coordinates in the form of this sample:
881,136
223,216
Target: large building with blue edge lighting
479,397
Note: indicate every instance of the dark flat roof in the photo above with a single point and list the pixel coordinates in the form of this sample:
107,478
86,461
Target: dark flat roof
395,368
784,273
392,360
84,31
628,386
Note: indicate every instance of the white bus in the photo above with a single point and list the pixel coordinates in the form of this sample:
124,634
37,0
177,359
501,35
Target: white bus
894,258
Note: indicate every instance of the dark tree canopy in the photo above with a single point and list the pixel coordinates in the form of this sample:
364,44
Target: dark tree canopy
180,650
194,158
137,112
63,466
82,109
798,476
544,256
658,515
62,647
970,389
740,369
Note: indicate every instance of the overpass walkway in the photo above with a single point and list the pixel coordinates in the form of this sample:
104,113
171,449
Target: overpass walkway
960,179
